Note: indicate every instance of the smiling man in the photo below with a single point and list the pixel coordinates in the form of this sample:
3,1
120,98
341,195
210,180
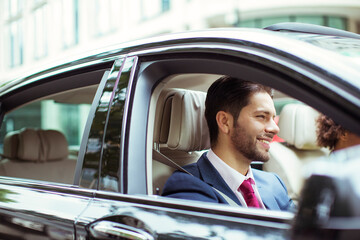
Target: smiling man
240,116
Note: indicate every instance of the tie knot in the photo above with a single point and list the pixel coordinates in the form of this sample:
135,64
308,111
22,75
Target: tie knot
246,187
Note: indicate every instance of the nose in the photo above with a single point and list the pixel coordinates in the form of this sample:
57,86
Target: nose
272,127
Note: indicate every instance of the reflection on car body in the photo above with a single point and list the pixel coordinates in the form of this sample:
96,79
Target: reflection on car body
106,106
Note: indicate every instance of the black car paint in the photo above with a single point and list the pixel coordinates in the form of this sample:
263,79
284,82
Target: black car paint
75,211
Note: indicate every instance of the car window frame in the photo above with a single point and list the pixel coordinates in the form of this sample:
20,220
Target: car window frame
38,87
122,65
153,69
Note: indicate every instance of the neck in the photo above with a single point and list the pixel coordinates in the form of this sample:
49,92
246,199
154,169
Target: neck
232,158
348,140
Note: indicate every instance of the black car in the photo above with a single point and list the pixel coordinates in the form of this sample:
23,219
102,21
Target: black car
88,144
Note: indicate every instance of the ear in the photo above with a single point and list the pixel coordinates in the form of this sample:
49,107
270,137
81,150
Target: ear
224,121
344,136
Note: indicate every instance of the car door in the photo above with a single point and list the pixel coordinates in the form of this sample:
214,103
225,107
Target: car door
30,210
122,207
31,205
118,216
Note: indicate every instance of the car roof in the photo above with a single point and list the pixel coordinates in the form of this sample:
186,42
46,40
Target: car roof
340,56
312,29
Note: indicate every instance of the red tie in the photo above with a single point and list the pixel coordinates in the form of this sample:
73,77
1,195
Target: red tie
248,193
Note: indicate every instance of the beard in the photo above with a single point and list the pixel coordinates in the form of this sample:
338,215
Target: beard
246,145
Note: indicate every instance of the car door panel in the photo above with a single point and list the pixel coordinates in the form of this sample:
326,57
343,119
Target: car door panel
113,215
39,210
163,218
102,151
31,209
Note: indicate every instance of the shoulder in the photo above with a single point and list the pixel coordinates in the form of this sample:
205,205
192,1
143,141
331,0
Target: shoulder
266,177
181,181
270,180
272,184
194,168
185,186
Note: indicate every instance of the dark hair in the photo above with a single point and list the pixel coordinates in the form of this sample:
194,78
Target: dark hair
328,132
230,95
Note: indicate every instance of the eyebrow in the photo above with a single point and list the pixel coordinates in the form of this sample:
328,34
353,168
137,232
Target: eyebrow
264,112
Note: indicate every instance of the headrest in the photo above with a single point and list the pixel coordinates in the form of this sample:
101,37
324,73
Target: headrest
35,145
180,120
11,142
297,125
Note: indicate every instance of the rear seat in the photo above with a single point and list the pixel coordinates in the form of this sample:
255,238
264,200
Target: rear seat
37,154
298,129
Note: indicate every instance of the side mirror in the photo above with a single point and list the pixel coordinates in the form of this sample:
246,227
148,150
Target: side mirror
329,206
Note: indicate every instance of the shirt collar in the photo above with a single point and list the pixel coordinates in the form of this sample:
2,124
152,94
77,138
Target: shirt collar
232,177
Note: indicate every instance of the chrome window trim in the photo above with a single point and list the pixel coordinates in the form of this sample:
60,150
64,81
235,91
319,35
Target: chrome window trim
282,218
124,134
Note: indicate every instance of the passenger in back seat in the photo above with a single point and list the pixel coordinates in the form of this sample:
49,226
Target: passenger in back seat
333,136
240,116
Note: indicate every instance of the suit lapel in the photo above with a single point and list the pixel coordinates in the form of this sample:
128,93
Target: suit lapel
212,177
266,195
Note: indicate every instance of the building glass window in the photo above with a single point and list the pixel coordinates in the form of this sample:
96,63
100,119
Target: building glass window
329,21
337,22
16,43
152,9
15,8
248,23
40,33
269,21
70,20
318,20
104,17
165,5
14,30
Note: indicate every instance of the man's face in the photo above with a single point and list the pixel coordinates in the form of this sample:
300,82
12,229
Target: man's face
255,128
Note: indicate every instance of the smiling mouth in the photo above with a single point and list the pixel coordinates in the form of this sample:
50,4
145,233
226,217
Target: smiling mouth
264,141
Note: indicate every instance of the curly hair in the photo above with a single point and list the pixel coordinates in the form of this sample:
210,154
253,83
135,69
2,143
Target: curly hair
328,132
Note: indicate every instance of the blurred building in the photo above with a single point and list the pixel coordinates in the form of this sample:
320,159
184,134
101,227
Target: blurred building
37,33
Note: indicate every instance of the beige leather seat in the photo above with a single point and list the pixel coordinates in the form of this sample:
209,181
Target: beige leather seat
298,129
180,132
37,154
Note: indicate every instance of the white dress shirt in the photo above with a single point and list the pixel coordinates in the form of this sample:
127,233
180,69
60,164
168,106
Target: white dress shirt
233,178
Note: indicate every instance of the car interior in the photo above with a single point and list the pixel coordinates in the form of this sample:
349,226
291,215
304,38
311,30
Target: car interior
32,151
37,154
177,135
180,132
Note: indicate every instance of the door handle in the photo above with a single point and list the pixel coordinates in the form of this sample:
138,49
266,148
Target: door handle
108,230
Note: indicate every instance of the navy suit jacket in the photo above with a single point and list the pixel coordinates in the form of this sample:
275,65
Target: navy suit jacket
199,186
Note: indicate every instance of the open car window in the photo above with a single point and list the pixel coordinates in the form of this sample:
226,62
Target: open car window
179,135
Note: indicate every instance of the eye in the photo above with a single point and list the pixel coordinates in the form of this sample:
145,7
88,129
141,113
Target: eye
261,116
